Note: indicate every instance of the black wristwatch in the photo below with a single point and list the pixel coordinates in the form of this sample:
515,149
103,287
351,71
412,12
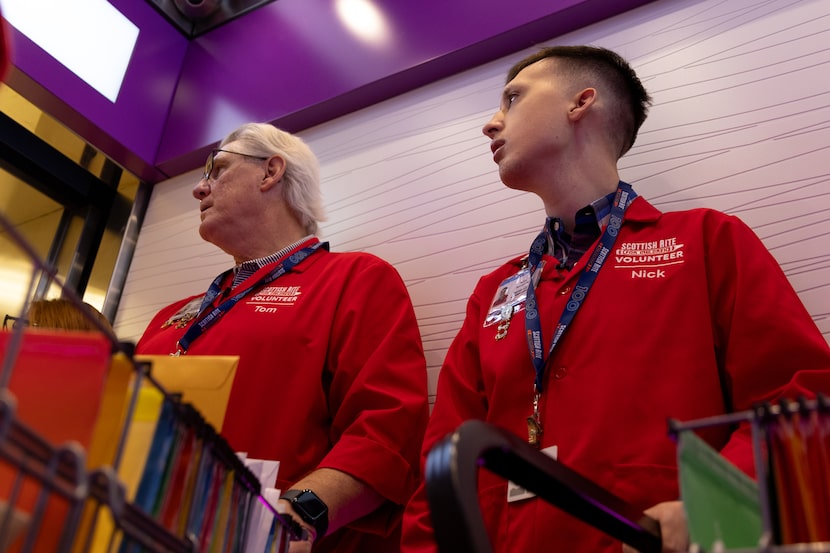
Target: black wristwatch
310,508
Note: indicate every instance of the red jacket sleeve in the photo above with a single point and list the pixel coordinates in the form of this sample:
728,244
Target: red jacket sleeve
767,345
460,397
378,386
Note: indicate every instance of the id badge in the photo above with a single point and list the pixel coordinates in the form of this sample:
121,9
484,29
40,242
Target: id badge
518,493
509,299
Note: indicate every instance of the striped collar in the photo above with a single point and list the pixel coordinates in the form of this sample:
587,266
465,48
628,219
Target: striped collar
247,268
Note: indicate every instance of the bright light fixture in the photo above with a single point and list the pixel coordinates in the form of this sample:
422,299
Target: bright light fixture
364,19
90,37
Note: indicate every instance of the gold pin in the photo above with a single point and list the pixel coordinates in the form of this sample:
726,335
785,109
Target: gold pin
502,329
504,325
186,318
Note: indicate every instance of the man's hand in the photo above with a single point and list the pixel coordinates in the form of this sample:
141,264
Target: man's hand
673,528
298,546
346,497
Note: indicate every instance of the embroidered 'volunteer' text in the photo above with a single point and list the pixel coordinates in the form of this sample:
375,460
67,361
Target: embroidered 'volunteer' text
649,259
277,295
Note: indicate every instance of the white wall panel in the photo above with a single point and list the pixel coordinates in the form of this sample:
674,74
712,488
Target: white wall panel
741,123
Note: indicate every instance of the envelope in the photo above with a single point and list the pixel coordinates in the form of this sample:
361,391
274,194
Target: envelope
205,381
264,470
260,518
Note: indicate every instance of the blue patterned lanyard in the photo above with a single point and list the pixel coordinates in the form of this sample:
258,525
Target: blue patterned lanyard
623,198
204,322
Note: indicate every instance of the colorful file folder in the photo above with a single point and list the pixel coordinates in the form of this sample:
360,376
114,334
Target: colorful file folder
722,503
799,450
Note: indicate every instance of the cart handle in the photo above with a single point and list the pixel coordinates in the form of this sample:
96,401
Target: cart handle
452,481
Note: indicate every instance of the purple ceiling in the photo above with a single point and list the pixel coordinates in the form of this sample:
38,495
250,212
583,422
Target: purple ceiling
290,62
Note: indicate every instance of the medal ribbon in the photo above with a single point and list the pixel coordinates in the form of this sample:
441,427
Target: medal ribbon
623,198
204,322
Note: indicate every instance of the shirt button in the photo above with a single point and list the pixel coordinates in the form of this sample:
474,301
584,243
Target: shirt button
560,373
564,290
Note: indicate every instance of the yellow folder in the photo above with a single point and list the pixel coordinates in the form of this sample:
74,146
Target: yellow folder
109,424
204,381
106,435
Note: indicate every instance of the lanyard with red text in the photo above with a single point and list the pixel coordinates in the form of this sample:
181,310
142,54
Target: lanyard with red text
209,319
533,325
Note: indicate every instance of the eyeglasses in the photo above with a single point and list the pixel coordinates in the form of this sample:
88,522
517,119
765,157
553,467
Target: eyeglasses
209,162
16,322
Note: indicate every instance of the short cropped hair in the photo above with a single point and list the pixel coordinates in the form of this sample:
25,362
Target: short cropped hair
301,181
610,71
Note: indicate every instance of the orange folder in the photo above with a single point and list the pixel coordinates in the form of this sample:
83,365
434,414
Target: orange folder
57,379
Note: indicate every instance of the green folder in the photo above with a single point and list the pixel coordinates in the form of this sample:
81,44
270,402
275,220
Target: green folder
722,503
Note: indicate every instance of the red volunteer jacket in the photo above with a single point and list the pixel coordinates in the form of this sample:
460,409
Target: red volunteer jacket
331,374
690,317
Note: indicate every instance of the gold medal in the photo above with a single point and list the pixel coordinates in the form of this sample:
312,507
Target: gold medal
534,432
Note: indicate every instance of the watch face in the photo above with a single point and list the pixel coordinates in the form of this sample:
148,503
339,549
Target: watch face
310,508
311,505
